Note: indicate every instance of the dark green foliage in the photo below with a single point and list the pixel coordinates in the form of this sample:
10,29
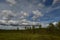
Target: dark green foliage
30,28
17,28
40,26
25,27
51,27
58,25
33,27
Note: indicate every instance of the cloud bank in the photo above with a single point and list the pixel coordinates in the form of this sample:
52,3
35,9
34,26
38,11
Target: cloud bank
30,11
11,2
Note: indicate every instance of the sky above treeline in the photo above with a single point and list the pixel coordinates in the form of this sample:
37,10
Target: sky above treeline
37,11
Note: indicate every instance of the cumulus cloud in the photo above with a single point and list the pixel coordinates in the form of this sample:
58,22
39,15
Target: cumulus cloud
44,25
44,0
40,5
55,1
37,14
23,22
8,22
6,14
23,14
27,22
19,22
55,23
12,22
11,2
2,21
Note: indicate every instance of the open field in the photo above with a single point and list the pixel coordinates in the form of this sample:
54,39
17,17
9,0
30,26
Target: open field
23,35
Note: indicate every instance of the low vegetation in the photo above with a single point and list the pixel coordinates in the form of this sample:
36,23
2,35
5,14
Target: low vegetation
52,32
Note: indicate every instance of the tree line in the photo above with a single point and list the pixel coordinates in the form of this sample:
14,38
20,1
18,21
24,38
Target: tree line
50,28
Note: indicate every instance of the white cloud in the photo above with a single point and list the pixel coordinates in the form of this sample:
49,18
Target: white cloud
24,22
12,22
26,9
12,2
55,1
7,11
44,0
27,22
50,9
2,21
44,25
23,14
55,23
8,22
20,22
41,5
7,14
37,14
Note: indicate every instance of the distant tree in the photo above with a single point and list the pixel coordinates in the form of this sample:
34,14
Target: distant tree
25,27
33,28
17,28
30,28
58,25
40,26
51,27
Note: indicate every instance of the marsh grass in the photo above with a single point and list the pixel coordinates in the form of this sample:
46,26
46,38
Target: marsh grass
27,35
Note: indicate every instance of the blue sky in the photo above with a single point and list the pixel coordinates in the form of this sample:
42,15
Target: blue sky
44,11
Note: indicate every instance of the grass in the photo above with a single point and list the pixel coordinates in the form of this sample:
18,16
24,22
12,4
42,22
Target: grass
25,35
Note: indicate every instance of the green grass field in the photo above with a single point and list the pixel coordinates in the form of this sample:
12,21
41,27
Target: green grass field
23,35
